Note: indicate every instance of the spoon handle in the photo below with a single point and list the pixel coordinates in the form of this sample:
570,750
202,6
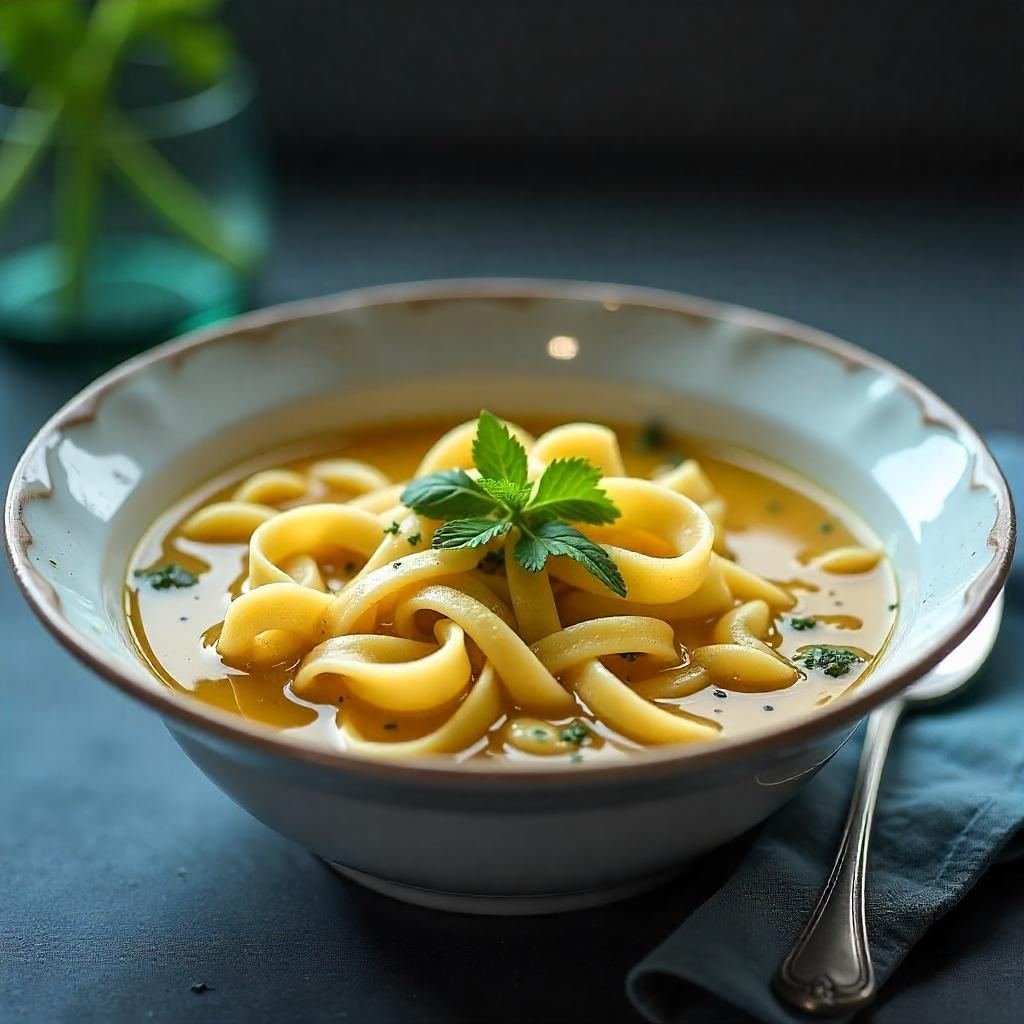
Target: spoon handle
828,971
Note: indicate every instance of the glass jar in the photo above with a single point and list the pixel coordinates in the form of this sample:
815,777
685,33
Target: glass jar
161,228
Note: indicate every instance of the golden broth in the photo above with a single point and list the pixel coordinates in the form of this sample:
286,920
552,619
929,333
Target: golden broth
776,522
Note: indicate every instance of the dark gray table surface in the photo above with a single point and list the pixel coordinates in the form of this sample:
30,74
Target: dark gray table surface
125,877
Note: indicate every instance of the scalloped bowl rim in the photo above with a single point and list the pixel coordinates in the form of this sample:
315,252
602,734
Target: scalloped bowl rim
979,594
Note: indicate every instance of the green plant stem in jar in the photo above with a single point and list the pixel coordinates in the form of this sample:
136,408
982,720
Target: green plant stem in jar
67,55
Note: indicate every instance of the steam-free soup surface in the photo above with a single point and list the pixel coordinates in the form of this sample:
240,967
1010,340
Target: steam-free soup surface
767,520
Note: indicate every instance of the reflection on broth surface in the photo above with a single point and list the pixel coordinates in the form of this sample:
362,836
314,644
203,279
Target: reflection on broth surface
303,595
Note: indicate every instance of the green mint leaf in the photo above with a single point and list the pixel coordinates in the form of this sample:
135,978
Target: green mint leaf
507,492
530,552
570,489
554,538
450,494
469,533
496,452
167,576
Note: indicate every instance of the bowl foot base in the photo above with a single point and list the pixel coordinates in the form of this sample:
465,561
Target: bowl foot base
496,905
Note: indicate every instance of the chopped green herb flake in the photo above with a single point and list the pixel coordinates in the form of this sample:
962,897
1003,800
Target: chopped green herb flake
893,606
774,506
167,576
826,527
833,661
674,459
650,439
802,624
414,538
576,756
540,734
393,528
577,733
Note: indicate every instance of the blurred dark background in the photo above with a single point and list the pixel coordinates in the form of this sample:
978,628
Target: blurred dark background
856,165
745,86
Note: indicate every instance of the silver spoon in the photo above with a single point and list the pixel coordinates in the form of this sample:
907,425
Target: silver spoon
828,971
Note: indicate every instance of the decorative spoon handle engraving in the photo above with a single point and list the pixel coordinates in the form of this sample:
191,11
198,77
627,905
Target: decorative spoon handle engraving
828,971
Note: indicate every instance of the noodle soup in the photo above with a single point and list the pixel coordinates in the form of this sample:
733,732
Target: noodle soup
554,592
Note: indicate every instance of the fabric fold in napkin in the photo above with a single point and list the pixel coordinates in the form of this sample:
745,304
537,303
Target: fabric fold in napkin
952,798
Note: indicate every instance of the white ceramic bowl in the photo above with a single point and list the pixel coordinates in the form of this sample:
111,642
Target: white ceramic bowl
508,837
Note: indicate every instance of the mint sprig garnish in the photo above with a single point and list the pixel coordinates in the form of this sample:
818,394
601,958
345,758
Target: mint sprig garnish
478,511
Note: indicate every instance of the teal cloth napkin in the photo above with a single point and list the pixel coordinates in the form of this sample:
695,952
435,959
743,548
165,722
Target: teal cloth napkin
952,799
